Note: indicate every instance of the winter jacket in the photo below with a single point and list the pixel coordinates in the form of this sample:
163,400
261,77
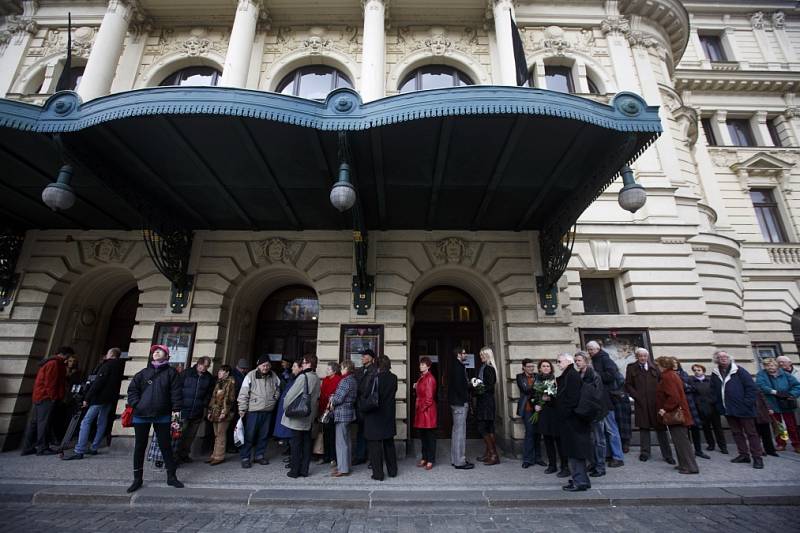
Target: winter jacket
108,379
784,383
344,399
670,396
259,392
525,394
485,406
608,372
547,424
735,394
575,432
51,379
223,400
155,392
641,385
704,396
425,409
310,378
691,396
380,424
458,388
326,390
197,389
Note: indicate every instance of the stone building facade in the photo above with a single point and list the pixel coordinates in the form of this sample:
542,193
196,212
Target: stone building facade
700,267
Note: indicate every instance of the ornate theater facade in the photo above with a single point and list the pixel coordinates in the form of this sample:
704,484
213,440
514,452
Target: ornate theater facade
286,177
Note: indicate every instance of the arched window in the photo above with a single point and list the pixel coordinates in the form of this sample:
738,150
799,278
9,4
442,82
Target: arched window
295,302
193,76
434,77
313,82
446,304
592,86
72,79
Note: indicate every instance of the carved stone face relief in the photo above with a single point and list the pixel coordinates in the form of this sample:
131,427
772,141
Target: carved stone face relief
452,250
277,250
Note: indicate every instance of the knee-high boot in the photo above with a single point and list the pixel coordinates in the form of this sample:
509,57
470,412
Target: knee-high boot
137,480
492,458
485,455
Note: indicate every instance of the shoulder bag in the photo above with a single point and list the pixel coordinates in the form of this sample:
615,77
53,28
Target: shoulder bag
371,401
674,418
300,406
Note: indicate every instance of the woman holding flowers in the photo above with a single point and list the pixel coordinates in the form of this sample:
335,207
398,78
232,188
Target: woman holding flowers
545,418
483,388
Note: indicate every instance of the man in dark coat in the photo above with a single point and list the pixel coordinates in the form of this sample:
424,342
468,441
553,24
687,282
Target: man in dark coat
363,377
641,380
198,385
606,430
48,388
458,397
379,425
99,401
735,394
575,431
531,450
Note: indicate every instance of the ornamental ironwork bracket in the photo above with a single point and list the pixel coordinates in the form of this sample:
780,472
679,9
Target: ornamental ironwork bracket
170,250
10,248
555,248
363,283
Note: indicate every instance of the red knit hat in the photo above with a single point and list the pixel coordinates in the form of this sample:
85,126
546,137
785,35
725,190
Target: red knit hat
155,347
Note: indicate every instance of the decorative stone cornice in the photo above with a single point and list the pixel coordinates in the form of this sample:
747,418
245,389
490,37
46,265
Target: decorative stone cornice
791,112
615,26
737,81
21,24
670,15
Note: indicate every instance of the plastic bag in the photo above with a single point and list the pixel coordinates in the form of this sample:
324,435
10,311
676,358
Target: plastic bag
238,433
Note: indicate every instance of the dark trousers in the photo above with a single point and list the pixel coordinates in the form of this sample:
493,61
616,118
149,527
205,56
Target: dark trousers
694,431
712,429
745,435
577,468
427,438
329,442
380,451
360,454
550,448
37,432
301,452
663,442
532,445
256,432
683,448
562,456
188,433
164,438
765,432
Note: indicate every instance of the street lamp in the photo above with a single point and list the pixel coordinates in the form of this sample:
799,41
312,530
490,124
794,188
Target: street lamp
632,196
343,194
59,196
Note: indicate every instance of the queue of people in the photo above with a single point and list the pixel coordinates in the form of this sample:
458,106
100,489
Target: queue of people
582,415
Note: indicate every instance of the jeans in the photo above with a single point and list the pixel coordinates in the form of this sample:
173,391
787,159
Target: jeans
94,412
36,433
577,468
458,443
531,448
343,447
256,429
606,427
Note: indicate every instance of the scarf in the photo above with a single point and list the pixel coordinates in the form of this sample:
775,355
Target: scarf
159,364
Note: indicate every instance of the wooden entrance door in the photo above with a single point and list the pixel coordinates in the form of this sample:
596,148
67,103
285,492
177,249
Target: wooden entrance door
287,325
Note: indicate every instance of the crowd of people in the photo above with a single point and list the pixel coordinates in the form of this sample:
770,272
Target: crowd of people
582,413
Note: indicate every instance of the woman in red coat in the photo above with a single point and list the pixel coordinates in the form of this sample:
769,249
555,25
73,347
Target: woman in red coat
669,399
425,412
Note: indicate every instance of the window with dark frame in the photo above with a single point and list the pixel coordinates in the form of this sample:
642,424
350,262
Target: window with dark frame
433,77
559,78
313,82
193,76
740,131
712,47
768,215
766,350
599,296
73,81
711,140
773,133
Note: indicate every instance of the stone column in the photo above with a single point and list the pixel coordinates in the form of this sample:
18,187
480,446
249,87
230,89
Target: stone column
240,46
373,51
616,30
107,49
503,11
14,40
758,123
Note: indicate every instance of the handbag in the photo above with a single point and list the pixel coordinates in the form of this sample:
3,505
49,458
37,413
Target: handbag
127,417
327,417
370,402
300,406
785,402
674,418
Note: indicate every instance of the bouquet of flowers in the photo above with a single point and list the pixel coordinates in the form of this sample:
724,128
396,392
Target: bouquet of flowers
175,426
478,386
541,390
780,431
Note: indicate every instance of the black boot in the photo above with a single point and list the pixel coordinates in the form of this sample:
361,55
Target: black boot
172,480
137,480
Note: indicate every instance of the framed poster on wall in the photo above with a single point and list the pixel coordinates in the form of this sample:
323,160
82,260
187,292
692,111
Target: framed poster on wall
355,339
620,343
179,338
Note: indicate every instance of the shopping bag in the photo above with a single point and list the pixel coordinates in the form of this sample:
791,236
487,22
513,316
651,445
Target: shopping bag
238,433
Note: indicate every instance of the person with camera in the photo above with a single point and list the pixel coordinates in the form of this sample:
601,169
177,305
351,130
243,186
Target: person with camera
99,399
156,395
257,400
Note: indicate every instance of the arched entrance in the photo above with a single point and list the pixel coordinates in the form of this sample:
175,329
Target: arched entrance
121,322
286,327
445,318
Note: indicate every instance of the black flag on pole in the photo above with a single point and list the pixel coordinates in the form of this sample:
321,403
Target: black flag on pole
521,65
63,80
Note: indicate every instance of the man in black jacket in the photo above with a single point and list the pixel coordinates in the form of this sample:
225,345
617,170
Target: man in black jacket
364,376
606,430
99,401
198,384
458,397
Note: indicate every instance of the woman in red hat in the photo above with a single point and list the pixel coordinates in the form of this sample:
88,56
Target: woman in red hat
156,395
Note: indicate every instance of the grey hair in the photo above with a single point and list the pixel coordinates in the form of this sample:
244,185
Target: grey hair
581,353
592,344
567,357
783,358
636,352
715,357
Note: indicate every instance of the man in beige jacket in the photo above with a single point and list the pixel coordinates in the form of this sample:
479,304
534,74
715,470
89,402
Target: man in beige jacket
257,399
301,427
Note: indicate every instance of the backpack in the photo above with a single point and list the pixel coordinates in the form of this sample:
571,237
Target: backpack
591,405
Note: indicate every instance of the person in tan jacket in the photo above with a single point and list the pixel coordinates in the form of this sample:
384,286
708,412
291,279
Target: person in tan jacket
258,397
220,412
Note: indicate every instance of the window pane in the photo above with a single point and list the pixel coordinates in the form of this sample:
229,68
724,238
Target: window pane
592,87
433,77
599,296
712,47
767,215
760,196
75,77
558,78
313,82
773,133
292,303
409,85
741,134
193,76
437,79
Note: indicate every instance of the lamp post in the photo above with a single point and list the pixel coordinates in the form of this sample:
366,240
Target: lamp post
632,196
59,196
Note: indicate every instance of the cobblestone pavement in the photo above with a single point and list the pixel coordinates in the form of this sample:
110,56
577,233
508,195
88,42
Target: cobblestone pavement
663,519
